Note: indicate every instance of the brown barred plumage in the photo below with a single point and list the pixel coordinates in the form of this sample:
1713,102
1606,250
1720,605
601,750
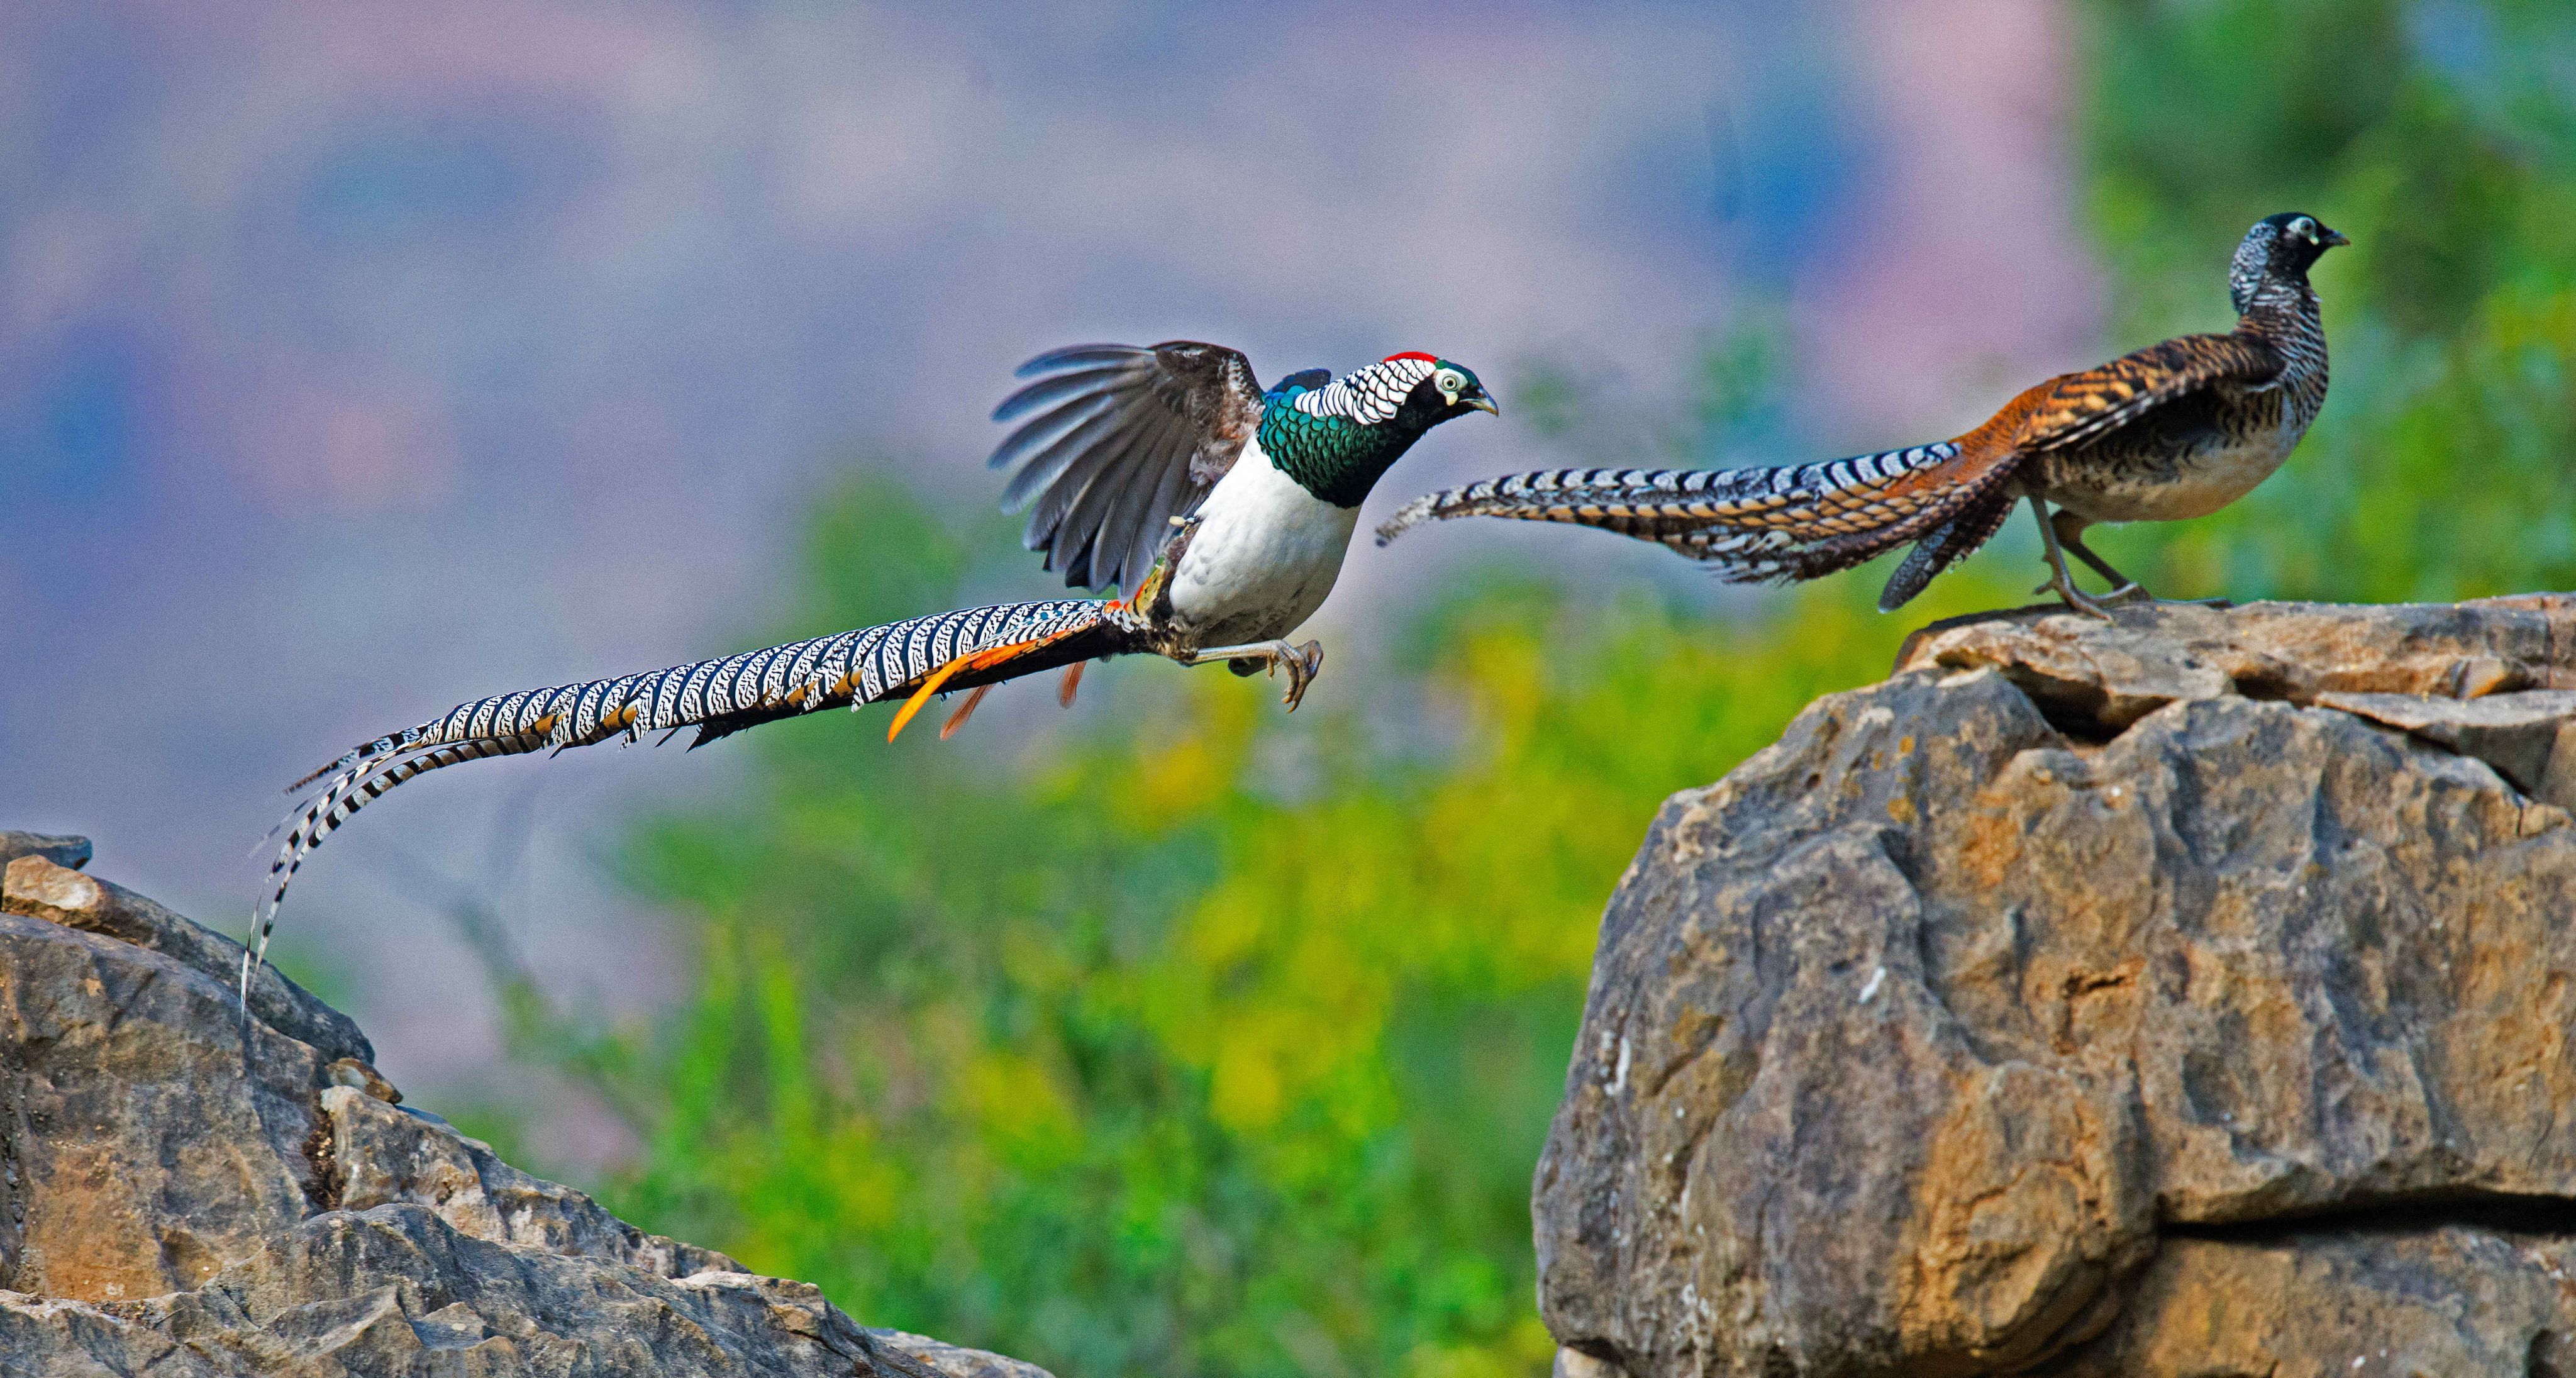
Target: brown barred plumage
966,649
2175,430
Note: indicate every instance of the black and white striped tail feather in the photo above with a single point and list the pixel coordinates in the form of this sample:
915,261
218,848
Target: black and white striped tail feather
718,697
1651,503
1951,521
1794,523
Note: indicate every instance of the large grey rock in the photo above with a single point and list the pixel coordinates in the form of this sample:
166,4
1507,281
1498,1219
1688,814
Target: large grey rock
2003,1015
38,888
186,1190
67,851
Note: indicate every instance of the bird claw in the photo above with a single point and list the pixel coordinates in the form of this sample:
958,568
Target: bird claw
1303,663
2125,596
2080,601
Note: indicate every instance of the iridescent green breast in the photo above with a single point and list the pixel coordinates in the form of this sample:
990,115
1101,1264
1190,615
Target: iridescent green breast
1333,457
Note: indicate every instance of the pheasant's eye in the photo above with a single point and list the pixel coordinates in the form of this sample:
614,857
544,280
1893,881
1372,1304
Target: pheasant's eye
1450,383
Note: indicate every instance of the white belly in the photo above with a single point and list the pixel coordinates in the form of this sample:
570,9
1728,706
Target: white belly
1264,556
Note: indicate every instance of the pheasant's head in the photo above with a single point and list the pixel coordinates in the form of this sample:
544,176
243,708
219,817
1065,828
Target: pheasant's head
1448,390
2278,249
1336,436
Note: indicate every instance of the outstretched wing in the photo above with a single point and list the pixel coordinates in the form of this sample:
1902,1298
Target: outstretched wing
1118,441
950,650
2081,407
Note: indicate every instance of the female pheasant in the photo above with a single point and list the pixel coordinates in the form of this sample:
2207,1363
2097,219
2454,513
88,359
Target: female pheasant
2175,430
1224,509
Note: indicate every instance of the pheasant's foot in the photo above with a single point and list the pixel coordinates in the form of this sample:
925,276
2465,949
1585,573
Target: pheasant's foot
2134,595
1302,663
2060,582
2080,601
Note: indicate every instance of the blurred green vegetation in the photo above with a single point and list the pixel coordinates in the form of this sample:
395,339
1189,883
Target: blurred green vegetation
1210,1041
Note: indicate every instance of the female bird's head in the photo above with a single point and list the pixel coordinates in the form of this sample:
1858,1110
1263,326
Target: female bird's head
1336,436
2279,249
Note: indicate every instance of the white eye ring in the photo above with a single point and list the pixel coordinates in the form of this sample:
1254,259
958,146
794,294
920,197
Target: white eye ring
1450,384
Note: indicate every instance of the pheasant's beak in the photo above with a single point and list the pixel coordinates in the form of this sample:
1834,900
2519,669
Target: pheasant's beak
1483,404
2333,239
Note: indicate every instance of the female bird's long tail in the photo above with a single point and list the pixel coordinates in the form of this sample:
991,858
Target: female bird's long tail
910,659
1797,521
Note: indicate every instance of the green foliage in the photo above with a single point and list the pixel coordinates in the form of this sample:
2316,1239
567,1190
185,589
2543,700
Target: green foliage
1210,1041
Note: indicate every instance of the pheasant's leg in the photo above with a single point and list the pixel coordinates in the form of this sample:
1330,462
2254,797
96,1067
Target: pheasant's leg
2069,529
2125,590
1302,663
2059,581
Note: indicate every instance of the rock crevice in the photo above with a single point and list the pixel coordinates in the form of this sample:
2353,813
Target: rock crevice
2084,988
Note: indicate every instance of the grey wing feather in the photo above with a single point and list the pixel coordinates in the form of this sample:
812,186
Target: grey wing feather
1117,441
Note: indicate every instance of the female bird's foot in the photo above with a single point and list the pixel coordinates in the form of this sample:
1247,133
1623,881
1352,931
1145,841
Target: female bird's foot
2078,600
2121,597
2133,595
1302,663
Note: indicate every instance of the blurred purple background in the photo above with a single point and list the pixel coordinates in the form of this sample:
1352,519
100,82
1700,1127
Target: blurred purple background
356,359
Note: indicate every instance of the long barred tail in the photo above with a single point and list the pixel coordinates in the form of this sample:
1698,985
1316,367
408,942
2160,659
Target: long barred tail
1828,498
912,658
1798,521
1945,545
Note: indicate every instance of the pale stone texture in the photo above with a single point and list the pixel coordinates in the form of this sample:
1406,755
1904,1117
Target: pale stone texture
2004,1015
186,1190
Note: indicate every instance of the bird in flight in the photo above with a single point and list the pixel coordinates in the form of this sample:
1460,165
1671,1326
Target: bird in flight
2173,431
1224,510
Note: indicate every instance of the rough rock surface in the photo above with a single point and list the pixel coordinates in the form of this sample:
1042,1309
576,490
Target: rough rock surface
72,852
188,1190
2188,995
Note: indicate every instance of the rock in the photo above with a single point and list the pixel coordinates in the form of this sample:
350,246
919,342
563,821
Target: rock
186,1189
2435,1300
72,852
2110,676
2168,996
2525,736
38,888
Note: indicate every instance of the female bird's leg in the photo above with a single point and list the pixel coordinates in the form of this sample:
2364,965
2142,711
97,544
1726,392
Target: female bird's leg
2125,590
2069,529
1302,663
2059,581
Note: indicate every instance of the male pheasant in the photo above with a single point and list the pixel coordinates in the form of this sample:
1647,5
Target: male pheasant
1226,511
2175,430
